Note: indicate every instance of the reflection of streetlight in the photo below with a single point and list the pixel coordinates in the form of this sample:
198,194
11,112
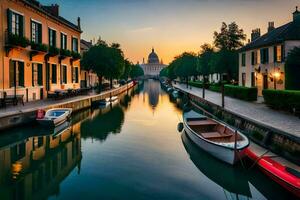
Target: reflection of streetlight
276,76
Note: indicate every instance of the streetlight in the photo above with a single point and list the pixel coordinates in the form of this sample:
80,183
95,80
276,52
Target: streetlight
276,76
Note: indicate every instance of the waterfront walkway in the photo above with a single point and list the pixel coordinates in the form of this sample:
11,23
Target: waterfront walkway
255,111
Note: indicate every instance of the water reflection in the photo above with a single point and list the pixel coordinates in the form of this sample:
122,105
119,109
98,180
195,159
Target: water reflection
104,121
34,166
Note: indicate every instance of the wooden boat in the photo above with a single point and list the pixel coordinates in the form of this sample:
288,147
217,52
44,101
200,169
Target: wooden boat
215,137
55,117
277,168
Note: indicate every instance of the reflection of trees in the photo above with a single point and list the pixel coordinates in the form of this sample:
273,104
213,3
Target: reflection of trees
104,124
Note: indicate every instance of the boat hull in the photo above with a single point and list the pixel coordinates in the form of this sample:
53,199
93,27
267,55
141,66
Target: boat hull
225,154
50,122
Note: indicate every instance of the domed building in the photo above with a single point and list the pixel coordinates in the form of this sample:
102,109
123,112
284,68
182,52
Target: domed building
153,66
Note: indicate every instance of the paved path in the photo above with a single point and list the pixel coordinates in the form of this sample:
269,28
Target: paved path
256,111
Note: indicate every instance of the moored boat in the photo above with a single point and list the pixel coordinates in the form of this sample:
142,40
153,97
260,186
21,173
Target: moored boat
215,137
277,168
54,117
108,101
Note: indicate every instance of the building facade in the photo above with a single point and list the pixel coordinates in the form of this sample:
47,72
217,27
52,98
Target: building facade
39,50
153,66
261,62
88,78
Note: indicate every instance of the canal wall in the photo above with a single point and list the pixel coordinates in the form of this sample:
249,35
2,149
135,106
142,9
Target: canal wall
277,141
23,117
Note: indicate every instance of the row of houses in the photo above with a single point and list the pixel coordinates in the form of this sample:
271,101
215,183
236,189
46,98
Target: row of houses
262,60
40,50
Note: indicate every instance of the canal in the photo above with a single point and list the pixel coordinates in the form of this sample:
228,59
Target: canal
129,150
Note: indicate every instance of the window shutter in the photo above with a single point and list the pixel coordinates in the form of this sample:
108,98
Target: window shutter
40,33
267,55
32,74
40,74
22,25
21,73
61,41
54,38
282,53
9,16
11,73
54,73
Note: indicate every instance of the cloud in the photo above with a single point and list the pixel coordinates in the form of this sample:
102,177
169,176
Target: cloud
141,30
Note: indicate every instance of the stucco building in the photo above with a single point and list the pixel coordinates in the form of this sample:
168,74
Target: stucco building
153,66
261,62
39,50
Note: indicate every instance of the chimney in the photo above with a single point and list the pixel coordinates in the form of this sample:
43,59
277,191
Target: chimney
296,15
78,23
53,9
255,34
271,27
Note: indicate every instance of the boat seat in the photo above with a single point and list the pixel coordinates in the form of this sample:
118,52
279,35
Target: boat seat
215,135
201,122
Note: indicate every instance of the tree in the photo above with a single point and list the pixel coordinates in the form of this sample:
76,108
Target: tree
127,69
164,72
230,37
136,71
292,70
204,59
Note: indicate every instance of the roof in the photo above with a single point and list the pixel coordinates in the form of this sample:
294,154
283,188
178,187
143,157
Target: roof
86,44
153,58
289,31
37,6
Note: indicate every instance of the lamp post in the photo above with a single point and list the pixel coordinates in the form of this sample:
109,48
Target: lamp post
276,76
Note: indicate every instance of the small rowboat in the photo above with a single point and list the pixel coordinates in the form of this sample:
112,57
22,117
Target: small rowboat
55,117
215,137
277,168
108,101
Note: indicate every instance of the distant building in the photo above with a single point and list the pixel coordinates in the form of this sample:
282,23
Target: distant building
153,66
261,62
88,78
39,50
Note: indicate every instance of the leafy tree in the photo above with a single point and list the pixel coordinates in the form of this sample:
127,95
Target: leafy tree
204,60
230,37
136,71
164,72
127,69
292,70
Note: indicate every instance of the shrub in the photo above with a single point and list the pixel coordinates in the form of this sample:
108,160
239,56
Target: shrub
197,84
239,92
65,52
216,87
282,99
75,55
18,40
39,47
53,51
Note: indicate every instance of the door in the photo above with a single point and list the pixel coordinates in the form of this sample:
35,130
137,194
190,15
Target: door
265,82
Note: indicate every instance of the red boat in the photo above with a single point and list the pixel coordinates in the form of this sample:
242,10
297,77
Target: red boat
277,168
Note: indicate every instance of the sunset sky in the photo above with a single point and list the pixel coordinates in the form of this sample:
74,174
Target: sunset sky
170,26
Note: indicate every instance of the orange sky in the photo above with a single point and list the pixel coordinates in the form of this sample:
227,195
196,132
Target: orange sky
170,26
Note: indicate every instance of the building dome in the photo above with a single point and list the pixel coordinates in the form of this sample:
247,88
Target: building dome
153,58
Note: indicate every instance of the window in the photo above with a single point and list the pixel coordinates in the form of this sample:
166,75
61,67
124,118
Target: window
64,74
16,74
253,57
264,56
52,37
15,23
36,32
63,41
74,44
37,74
243,79
278,53
54,74
243,59
75,75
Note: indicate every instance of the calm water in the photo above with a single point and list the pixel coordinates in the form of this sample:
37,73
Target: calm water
130,150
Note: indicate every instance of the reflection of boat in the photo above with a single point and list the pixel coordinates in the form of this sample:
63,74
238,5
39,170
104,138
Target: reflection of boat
175,94
214,137
107,101
55,117
232,180
281,171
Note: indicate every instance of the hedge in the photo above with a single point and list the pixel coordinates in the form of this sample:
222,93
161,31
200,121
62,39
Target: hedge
239,92
282,99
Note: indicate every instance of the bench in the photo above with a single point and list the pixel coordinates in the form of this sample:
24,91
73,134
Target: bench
11,99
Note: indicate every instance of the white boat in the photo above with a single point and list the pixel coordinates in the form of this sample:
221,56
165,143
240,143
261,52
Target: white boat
108,101
175,94
215,137
55,117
